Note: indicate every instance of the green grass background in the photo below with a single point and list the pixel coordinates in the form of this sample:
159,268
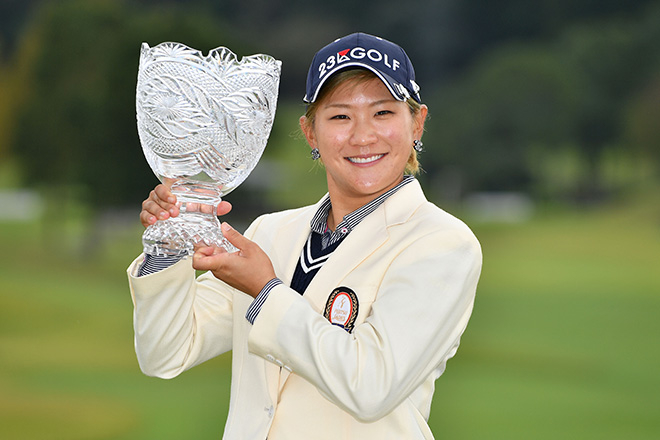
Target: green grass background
563,343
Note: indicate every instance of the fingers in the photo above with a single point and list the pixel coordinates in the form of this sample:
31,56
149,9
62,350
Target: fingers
164,194
235,238
247,270
224,208
205,258
160,205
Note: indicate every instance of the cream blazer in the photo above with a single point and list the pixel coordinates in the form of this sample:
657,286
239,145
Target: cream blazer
414,269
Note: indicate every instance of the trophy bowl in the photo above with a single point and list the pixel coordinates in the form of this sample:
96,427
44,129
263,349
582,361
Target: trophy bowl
203,123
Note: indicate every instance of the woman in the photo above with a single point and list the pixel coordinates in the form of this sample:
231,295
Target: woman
340,316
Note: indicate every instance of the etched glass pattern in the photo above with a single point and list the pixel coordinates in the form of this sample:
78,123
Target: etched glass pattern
203,122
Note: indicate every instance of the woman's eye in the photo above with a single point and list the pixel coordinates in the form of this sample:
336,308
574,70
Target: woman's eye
339,117
383,112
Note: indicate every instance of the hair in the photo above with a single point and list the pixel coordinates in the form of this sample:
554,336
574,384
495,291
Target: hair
360,76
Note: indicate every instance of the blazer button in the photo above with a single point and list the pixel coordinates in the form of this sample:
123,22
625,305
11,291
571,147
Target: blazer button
270,358
270,410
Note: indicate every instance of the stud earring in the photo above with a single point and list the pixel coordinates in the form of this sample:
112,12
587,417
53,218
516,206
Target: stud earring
418,145
315,154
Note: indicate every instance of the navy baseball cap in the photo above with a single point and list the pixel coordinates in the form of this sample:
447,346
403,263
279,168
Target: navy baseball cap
387,60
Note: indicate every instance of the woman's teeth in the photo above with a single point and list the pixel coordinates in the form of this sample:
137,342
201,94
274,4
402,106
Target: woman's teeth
365,159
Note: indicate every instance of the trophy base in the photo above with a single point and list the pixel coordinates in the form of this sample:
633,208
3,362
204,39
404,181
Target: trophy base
179,236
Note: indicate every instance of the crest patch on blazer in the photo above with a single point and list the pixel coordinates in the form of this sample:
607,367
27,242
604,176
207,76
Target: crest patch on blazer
342,308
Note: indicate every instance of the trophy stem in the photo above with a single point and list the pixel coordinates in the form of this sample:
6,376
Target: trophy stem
196,225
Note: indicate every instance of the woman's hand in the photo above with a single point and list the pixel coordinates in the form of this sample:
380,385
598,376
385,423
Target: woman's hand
248,269
162,204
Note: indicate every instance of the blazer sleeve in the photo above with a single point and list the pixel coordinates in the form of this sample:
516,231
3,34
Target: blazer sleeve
422,308
179,322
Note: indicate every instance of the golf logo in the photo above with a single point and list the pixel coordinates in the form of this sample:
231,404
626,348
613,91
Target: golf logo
341,309
357,54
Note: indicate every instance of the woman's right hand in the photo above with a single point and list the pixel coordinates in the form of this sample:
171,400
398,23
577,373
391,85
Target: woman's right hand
162,204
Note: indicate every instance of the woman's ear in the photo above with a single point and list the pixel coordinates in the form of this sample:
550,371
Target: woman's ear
307,130
420,119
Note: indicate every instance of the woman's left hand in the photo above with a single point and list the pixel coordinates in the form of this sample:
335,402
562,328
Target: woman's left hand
248,269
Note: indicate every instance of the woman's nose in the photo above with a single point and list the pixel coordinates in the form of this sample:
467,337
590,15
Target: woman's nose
363,134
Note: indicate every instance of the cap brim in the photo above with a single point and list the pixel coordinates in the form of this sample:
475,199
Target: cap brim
386,79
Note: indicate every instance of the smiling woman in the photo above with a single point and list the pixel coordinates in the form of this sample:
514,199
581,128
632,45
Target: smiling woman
359,77
340,315
364,136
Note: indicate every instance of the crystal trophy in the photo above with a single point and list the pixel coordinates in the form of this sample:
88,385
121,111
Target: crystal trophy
203,122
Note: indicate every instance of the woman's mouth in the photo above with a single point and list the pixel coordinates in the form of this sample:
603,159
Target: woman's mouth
363,160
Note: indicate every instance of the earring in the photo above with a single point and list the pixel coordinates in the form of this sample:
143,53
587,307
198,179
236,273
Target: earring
418,145
315,154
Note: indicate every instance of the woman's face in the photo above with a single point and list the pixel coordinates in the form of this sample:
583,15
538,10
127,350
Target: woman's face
365,137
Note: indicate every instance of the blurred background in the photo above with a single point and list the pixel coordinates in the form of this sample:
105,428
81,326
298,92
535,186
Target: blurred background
544,137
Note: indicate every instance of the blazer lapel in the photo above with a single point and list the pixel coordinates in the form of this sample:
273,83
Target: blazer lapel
369,235
360,243
289,242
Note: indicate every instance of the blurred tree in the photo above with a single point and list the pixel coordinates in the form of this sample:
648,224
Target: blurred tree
6,126
642,115
77,119
485,24
643,122
522,102
607,59
13,15
516,79
516,98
